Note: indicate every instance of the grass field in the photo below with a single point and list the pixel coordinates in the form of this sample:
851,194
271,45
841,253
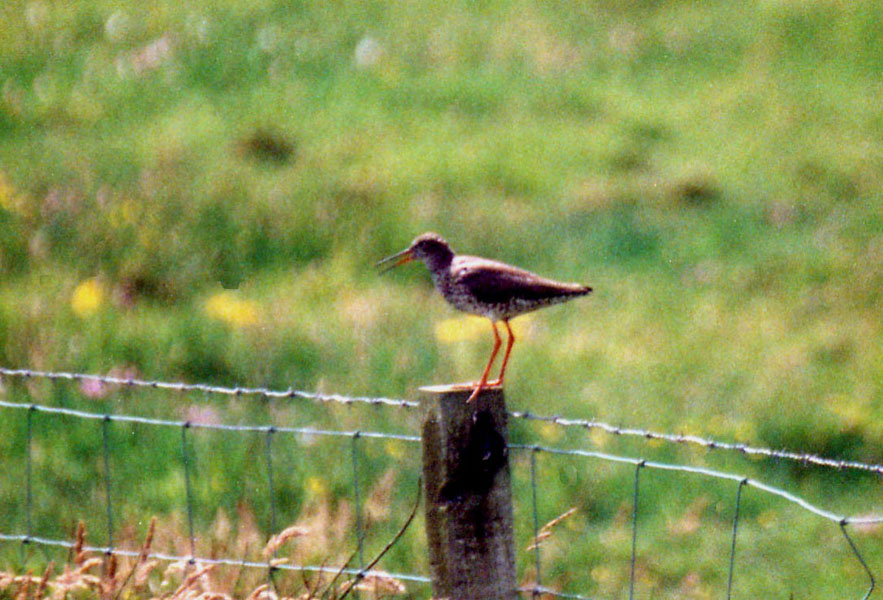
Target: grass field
198,191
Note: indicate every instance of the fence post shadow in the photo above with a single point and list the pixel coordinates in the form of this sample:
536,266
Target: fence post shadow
469,522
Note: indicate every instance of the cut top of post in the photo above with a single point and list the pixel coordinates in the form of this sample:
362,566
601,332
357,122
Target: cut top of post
452,388
448,404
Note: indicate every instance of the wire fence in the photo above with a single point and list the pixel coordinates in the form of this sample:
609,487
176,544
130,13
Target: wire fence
710,444
270,432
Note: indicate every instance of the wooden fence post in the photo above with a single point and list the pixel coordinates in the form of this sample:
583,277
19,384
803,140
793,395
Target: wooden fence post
468,494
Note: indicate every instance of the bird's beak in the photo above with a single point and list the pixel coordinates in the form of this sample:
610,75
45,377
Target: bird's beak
396,259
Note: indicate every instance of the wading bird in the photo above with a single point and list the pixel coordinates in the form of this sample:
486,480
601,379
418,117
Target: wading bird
484,287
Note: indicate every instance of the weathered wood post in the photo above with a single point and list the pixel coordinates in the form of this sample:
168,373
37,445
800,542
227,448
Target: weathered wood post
468,494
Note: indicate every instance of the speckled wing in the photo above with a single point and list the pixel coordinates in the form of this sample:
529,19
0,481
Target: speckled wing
497,283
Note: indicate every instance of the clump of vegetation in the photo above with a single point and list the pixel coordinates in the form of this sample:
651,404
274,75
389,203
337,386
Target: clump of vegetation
111,576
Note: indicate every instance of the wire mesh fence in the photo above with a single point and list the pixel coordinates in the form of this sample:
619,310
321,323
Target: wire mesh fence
351,458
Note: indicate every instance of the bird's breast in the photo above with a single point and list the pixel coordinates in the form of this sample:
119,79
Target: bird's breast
458,295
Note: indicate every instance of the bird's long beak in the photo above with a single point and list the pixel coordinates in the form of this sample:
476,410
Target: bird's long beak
396,259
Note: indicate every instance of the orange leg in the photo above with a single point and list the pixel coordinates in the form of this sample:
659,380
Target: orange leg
509,343
482,383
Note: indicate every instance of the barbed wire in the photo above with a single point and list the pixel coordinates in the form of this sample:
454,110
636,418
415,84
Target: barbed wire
209,389
639,464
649,464
585,424
187,459
708,443
865,520
270,430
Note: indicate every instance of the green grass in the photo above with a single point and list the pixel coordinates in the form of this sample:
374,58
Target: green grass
713,171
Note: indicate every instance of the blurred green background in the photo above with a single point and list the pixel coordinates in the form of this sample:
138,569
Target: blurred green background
198,191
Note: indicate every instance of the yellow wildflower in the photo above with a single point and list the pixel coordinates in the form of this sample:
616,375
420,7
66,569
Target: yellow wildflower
394,449
470,327
316,486
231,309
551,432
87,298
10,199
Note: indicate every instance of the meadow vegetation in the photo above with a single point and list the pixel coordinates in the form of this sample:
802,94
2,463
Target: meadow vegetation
198,190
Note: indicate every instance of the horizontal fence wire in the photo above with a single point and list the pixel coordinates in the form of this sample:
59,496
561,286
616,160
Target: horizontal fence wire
586,424
354,434
80,414
229,562
639,464
841,520
847,520
535,590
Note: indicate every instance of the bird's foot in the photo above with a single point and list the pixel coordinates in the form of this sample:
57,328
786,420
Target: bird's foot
482,385
476,392
463,387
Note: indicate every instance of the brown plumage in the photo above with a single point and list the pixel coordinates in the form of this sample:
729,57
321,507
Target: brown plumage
485,287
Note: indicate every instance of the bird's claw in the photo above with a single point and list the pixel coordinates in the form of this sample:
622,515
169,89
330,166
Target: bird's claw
482,385
478,387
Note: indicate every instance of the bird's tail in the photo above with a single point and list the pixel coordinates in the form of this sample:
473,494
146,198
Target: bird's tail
577,289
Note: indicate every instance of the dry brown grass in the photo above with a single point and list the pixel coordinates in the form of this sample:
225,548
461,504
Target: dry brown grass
283,536
86,574
545,531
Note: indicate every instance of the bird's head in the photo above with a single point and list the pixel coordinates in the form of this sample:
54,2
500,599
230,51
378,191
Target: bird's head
430,248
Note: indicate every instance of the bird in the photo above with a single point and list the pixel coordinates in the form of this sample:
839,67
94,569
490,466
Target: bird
484,287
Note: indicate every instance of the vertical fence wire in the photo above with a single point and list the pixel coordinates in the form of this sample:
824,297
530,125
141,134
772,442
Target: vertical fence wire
536,519
105,423
185,458
733,541
358,499
271,493
29,493
270,486
860,558
638,468
188,456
